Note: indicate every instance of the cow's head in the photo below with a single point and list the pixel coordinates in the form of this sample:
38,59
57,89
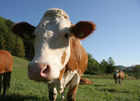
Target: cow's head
52,42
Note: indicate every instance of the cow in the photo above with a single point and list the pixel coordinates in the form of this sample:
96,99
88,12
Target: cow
6,63
118,76
59,59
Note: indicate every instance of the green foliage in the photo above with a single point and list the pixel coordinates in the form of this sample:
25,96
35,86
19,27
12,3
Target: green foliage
93,66
108,67
3,26
2,42
29,49
8,40
133,71
104,65
111,61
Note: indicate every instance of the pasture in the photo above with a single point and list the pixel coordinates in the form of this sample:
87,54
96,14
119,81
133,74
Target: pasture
23,89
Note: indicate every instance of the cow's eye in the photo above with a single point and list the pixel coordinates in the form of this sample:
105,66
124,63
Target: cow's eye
66,35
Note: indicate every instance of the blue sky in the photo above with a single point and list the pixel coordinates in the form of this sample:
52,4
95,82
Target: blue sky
118,24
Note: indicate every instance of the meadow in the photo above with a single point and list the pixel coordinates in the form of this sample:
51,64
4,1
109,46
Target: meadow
103,89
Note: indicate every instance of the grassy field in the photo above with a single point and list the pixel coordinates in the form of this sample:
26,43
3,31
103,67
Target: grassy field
23,89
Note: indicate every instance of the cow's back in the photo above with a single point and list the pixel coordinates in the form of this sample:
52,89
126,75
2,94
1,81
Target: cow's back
121,75
79,58
6,61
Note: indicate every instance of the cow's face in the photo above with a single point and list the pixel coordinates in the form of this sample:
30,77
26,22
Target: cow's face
52,42
52,48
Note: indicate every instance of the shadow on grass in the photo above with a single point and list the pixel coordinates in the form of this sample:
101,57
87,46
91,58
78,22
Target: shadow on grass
102,85
139,98
18,97
108,90
113,90
99,85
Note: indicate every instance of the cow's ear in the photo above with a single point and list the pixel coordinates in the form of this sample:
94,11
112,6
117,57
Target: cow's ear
82,29
24,30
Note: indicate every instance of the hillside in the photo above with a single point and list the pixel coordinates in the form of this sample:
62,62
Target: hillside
13,43
18,62
121,67
8,40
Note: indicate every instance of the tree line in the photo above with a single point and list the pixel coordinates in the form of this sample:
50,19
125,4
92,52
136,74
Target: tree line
104,67
133,71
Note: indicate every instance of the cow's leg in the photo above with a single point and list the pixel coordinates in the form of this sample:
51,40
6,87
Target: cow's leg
71,96
120,81
74,83
8,74
52,92
115,82
6,82
0,84
63,96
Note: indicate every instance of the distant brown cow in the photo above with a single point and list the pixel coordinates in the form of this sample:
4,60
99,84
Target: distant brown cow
118,77
6,62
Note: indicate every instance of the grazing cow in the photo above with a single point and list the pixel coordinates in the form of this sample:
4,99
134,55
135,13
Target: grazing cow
118,77
6,63
59,57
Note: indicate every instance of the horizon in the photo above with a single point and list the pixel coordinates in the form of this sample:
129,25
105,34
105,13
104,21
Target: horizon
118,24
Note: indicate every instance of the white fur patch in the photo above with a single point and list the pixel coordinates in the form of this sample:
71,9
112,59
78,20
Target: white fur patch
50,43
55,93
67,77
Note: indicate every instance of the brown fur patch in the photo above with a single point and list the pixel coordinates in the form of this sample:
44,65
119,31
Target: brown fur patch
63,58
78,59
61,73
23,28
82,29
6,61
85,81
121,75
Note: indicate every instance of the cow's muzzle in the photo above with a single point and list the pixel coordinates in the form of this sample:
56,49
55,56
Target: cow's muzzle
39,72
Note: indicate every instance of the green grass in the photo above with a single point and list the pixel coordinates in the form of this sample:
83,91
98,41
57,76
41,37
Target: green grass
23,89
105,90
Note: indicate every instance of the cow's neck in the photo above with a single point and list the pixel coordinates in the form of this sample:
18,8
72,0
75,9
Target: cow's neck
76,65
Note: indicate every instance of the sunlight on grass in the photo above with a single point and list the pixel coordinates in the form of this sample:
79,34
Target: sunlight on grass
23,89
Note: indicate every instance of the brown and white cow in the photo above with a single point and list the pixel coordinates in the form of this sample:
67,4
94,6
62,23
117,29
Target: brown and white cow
118,76
59,57
6,63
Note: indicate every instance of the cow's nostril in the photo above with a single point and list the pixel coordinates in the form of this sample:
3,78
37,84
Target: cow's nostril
45,71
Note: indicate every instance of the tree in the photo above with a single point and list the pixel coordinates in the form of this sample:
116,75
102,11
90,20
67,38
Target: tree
2,42
111,65
19,49
103,65
93,66
29,49
108,66
8,40
111,61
